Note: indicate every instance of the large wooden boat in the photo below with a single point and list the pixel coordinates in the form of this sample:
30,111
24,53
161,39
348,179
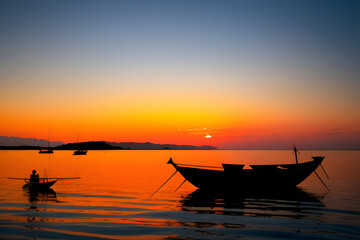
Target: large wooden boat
234,176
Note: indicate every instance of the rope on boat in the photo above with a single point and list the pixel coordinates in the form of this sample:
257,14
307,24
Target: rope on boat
321,181
324,170
180,185
198,166
163,184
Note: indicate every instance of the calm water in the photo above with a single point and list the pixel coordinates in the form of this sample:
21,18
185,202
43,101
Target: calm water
110,200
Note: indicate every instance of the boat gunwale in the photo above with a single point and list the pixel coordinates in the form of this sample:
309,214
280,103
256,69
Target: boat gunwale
284,167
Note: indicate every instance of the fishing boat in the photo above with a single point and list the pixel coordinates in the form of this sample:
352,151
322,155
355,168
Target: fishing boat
40,184
80,152
48,150
45,184
234,176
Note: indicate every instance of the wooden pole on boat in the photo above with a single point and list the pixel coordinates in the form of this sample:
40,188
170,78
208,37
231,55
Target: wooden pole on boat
163,184
180,185
324,170
321,181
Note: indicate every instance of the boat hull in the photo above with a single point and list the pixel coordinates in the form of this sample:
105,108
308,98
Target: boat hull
260,177
39,186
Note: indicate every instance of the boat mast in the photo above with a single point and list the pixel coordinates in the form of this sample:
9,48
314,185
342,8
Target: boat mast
78,142
296,152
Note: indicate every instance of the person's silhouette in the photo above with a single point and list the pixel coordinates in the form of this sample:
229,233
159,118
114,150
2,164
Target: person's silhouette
34,178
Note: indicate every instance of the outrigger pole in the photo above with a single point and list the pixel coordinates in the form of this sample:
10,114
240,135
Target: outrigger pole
180,185
324,170
163,184
321,181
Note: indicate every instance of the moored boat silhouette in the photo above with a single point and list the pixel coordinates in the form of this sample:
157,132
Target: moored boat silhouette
46,151
234,176
80,152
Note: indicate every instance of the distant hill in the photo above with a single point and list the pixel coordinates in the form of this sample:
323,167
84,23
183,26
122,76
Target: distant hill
128,145
32,143
16,141
153,146
87,145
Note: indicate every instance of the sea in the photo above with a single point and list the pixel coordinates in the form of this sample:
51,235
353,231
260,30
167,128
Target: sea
113,197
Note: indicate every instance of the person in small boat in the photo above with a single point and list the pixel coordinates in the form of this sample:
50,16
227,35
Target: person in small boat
34,178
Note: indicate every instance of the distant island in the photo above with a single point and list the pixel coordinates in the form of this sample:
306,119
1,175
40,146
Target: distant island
26,142
15,143
153,146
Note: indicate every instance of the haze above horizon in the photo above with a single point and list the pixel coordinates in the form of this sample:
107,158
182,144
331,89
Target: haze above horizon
231,74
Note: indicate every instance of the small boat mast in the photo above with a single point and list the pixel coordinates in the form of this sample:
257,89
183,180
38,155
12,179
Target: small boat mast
296,152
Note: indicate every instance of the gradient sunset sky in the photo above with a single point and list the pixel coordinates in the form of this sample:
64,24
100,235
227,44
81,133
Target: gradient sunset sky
251,74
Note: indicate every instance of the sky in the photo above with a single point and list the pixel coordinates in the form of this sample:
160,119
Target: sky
250,74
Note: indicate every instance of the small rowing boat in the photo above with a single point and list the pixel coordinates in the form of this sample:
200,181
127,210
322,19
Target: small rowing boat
41,184
234,176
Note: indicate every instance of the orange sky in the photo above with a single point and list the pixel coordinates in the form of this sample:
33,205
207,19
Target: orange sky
161,78
182,117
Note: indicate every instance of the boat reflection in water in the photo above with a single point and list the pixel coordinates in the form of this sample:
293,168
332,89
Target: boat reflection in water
293,203
38,199
40,195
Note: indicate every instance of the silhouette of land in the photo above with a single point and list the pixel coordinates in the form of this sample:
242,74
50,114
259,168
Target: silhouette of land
24,147
129,145
153,146
94,145
27,142
102,145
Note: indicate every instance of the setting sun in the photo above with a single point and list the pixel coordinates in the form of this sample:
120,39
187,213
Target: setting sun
208,136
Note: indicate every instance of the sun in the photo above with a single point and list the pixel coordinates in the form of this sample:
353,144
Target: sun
208,136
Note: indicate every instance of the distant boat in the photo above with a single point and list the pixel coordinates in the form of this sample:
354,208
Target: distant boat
80,152
48,150
233,176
